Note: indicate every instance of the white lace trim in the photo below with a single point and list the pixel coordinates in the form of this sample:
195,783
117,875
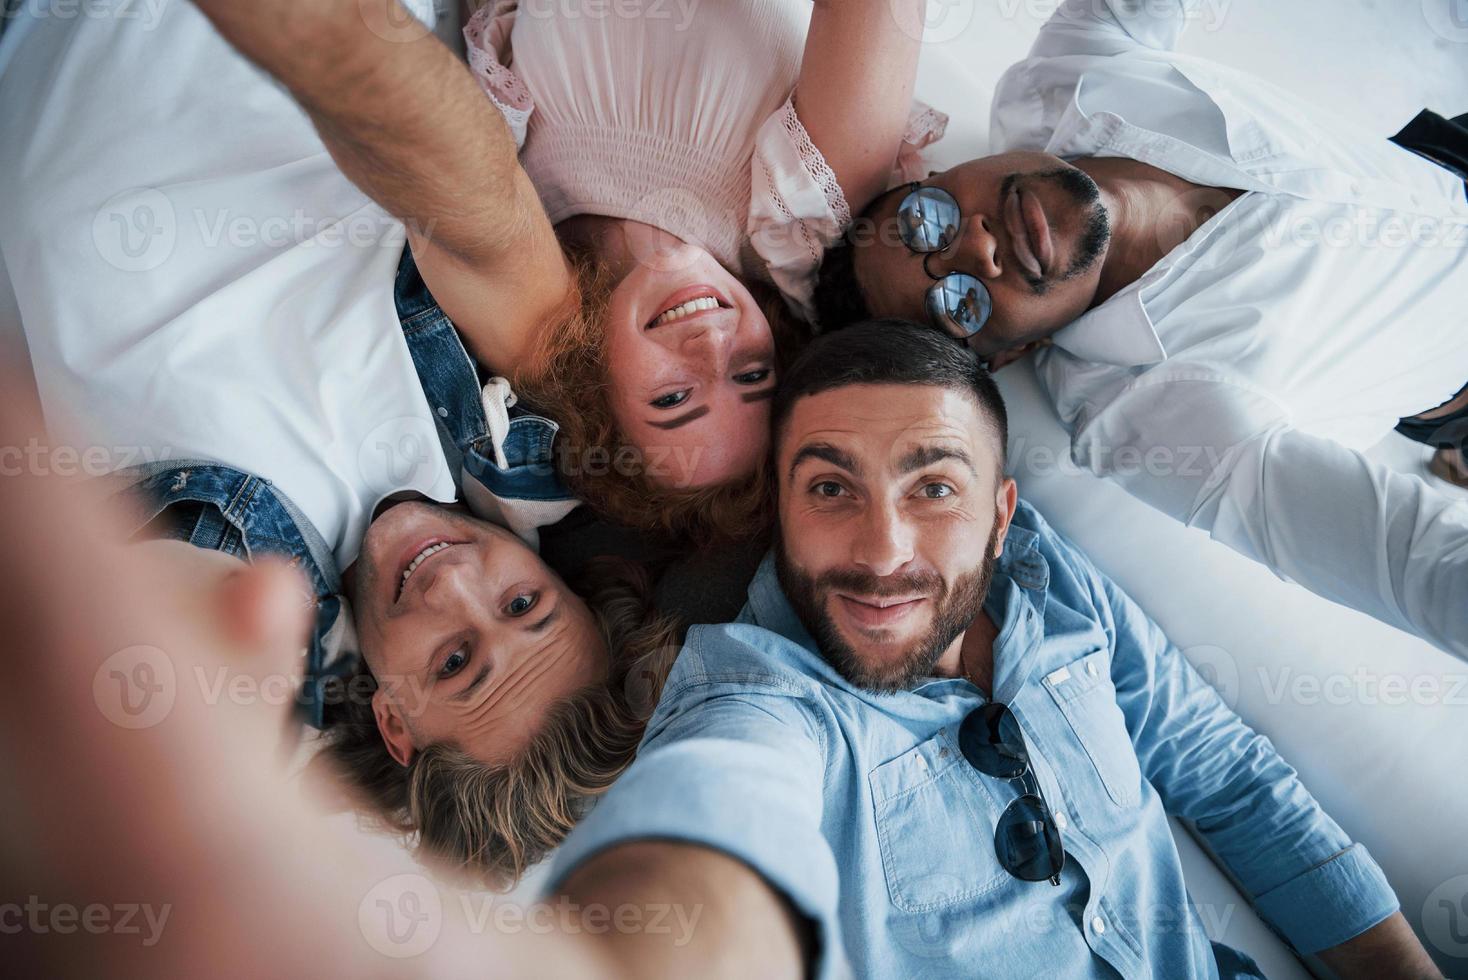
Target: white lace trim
504,88
814,249
815,164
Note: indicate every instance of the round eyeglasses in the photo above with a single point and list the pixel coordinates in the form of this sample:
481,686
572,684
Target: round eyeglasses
928,220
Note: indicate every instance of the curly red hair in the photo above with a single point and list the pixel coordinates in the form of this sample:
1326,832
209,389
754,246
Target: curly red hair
567,381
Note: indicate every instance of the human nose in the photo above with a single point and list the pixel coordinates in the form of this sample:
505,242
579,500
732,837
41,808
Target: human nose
975,251
884,544
449,588
710,348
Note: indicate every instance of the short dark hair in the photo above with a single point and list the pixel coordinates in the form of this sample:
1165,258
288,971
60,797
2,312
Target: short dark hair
838,298
889,350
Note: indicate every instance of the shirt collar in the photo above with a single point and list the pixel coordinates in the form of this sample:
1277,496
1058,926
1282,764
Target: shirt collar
1119,331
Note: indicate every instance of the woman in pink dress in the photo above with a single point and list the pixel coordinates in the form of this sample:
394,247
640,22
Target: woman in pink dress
695,159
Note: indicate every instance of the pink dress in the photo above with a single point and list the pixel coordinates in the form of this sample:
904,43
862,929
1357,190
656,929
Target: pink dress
679,116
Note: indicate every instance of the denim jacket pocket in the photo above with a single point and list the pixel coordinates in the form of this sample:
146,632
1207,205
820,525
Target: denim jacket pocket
530,472
935,825
1086,696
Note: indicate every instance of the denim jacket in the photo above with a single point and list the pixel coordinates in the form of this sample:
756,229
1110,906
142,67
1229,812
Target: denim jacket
501,454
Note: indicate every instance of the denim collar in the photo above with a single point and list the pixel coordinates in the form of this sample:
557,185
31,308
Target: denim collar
1016,602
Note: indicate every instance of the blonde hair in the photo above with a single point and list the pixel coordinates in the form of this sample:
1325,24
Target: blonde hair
567,381
492,822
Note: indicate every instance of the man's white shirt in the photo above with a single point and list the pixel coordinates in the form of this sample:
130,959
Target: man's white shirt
1237,384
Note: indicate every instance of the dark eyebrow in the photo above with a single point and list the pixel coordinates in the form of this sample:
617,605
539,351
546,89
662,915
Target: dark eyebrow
922,456
760,396
826,453
682,420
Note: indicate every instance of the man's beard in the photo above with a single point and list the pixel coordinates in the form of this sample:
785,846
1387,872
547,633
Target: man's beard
1085,195
957,606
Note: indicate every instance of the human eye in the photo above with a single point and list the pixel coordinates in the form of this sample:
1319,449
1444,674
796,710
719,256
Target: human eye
454,663
828,489
522,603
752,377
671,400
937,491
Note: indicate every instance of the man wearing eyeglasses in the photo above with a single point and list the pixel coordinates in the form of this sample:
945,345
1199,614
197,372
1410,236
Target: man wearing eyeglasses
1234,296
945,739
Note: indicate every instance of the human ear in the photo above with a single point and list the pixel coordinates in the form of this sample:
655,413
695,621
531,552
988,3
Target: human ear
1006,499
393,728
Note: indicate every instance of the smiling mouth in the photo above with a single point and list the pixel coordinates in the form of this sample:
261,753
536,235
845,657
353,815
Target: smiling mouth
418,560
687,303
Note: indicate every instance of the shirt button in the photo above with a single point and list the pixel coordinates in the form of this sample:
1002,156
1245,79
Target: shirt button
1091,668
443,413
1098,926
1061,821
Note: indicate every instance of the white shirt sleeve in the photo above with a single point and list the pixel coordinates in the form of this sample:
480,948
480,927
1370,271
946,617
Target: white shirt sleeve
1226,458
1107,27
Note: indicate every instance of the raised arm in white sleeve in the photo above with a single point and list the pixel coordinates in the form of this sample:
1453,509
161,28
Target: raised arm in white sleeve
1223,457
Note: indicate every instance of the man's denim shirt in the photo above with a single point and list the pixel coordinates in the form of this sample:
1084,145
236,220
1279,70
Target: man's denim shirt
860,808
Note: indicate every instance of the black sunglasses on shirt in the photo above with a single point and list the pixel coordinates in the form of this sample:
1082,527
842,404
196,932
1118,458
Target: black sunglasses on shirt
1026,839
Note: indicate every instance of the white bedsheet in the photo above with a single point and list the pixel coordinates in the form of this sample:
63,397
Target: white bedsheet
1332,688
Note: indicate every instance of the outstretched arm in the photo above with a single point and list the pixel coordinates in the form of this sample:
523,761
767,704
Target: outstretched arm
1388,949
1224,457
186,812
1320,890
730,922
405,121
855,87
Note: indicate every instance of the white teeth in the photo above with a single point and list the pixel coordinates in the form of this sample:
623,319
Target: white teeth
422,556
686,309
